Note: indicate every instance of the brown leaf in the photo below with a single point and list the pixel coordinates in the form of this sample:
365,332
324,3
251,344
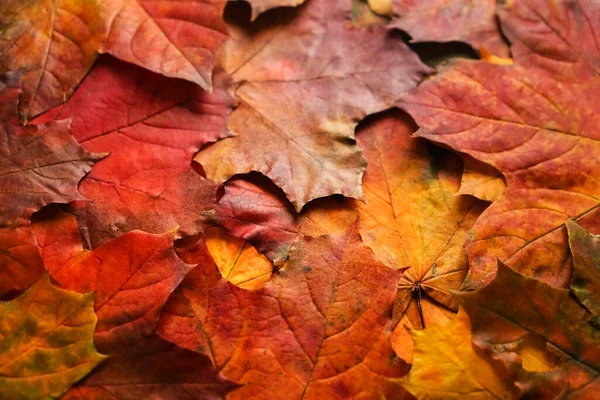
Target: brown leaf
40,164
533,122
319,328
303,87
153,370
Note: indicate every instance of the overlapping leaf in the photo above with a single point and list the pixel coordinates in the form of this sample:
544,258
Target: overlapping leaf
56,42
304,86
535,121
260,6
319,328
151,126
473,22
447,366
412,218
237,260
39,164
263,216
46,342
132,277
513,307
153,369
174,38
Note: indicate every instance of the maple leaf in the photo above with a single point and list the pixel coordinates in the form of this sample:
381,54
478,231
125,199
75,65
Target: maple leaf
512,307
152,126
237,260
153,369
532,122
260,6
447,366
264,217
481,180
318,329
39,164
178,39
586,272
473,22
314,60
46,338
132,276
412,218
55,44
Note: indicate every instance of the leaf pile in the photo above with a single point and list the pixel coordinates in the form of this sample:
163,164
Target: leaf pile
299,199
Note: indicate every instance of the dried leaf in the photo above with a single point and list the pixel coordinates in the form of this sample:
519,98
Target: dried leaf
55,44
514,306
260,6
586,259
473,22
533,122
312,61
237,260
447,366
178,39
318,329
40,164
154,369
132,276
46,342
481,180
152,126
264,217
413,219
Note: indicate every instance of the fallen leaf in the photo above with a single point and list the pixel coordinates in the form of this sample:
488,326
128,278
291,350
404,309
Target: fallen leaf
313,61
513,306
132,276
20,262
47,342
57,235
264,217
533,122
364,16
473,22
178,39
447,366
481,180
237,260
154,369
412,218
586,273
318,329
54,43
152,126
40,164
260,6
